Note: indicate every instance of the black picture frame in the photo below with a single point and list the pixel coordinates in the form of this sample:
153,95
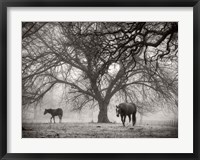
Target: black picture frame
98,3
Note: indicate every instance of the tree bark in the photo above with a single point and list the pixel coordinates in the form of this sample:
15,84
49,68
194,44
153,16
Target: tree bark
103,113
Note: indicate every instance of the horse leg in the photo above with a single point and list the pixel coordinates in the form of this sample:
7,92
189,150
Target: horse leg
51,119
122,119
134,118
129,116
60,117
54,119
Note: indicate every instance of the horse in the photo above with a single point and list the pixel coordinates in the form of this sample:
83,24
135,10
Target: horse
54,112
126,109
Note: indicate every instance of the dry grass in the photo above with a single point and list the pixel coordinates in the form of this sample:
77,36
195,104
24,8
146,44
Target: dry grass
96,130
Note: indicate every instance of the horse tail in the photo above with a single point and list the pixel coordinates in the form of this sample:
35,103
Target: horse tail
134,118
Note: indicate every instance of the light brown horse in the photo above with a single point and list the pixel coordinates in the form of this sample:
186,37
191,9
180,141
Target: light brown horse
126,109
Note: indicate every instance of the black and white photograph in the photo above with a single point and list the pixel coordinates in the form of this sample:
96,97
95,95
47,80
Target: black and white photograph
95,79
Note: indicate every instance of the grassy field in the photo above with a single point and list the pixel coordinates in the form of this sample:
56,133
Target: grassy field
96,130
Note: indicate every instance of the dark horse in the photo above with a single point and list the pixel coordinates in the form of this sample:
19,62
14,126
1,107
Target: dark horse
54,112
126,109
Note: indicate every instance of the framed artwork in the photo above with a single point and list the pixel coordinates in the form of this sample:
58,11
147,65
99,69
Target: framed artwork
99,79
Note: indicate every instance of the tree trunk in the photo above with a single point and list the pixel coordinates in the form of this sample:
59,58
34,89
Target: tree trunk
103,113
